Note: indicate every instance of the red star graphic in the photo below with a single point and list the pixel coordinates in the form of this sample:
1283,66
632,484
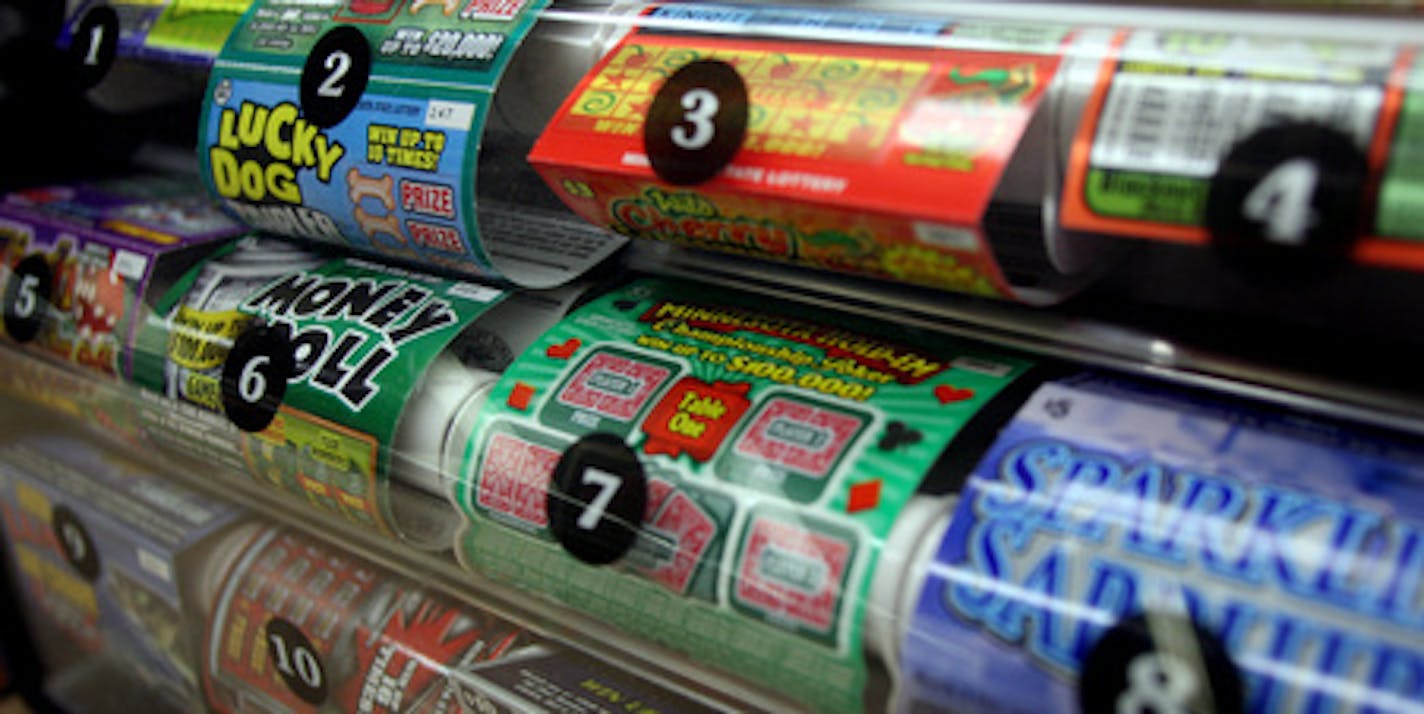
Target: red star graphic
636,107
614,80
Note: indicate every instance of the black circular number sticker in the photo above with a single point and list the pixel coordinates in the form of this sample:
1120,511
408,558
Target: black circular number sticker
254,377
335,75
696,123
1288,197
1159,664
597,498
26,298
296,661
75,542
94,45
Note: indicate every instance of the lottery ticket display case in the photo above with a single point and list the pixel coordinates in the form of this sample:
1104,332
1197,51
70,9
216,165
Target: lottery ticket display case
611,356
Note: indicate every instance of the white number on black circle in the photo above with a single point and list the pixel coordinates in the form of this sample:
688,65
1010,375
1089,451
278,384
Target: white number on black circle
252,384
74,541
96,40
701,105
27,300
607,484
1157,682
296,661
338,63
1281,201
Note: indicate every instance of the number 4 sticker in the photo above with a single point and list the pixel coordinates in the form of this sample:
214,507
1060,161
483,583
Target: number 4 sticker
1288,197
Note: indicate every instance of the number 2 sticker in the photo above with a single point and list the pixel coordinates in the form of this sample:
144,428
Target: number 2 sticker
335,76
696,122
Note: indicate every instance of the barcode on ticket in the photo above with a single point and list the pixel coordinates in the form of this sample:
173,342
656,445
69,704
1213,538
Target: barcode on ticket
1183,125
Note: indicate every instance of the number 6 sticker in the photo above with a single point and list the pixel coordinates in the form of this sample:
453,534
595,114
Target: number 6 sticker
254,378
596,500
696,122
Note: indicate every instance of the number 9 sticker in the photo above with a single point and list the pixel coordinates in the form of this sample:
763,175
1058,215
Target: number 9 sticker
254,377
696,122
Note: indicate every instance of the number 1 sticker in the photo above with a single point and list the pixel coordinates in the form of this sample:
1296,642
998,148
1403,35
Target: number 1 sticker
696,122
95,45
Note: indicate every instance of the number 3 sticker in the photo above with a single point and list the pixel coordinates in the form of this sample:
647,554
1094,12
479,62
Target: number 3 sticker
696,122
1288,197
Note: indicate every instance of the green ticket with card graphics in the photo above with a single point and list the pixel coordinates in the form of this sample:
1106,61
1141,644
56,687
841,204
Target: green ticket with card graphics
778,451
362,336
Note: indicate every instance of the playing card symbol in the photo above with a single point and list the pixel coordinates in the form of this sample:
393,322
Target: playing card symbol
949,394
1057,408
565,350
897,434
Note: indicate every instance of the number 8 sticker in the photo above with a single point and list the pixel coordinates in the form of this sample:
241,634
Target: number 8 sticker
1159,663
696,122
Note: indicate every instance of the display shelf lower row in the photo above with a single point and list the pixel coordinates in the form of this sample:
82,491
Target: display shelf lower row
702,498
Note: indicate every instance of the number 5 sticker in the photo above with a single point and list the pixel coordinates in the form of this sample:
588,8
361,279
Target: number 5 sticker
26,296
1288,196
696,122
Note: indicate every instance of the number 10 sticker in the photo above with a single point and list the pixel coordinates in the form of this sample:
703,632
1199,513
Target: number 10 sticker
696,122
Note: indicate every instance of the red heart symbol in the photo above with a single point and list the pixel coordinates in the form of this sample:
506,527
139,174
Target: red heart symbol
564,351
948,394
